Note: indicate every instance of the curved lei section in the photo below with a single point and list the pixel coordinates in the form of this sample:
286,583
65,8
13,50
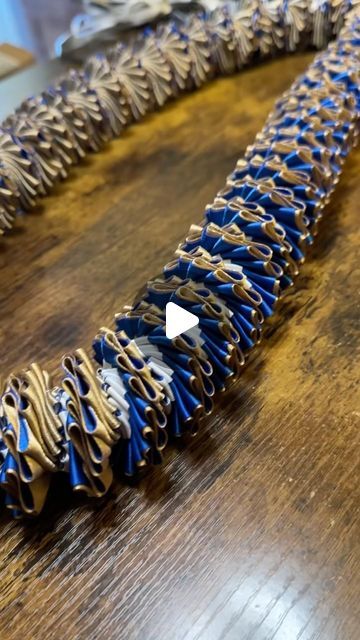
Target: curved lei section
90,106
114,412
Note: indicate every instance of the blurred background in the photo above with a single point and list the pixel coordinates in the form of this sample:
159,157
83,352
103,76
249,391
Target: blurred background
51,28
36,24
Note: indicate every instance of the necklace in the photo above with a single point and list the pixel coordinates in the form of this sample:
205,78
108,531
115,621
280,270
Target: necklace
49,133
118,408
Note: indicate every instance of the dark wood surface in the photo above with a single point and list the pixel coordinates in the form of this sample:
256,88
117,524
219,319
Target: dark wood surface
251,530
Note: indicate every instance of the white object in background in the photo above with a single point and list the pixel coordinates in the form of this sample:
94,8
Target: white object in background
178,320
103,16
131,12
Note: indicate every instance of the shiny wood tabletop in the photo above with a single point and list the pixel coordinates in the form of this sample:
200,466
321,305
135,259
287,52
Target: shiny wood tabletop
250,530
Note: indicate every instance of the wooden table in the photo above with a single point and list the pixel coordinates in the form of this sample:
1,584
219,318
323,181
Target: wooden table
251,530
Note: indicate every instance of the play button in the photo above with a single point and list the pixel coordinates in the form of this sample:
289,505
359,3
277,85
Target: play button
178,320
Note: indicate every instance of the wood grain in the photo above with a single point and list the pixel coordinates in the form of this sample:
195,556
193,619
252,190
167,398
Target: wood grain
251,530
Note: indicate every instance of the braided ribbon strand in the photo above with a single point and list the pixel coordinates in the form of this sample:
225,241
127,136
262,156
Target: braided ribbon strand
116,410
89,106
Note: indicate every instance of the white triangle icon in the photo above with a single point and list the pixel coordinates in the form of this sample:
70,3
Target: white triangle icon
178,320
